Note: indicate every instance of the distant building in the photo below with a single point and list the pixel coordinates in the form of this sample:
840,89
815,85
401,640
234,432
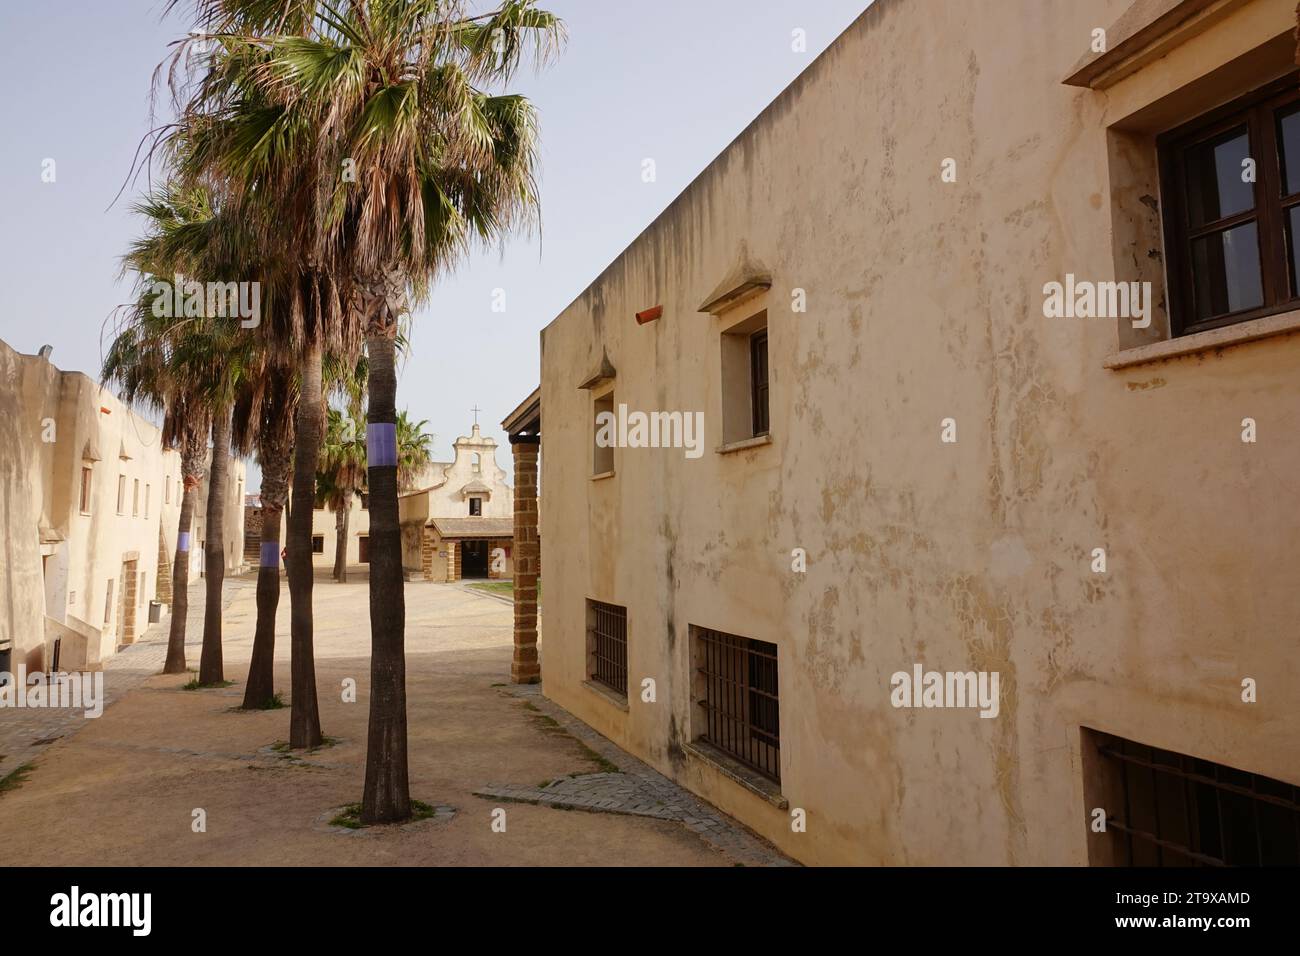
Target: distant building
89,517
461,524
325,524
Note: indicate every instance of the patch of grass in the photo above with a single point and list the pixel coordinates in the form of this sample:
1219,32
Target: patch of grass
604,765
503,587
275,702
349,817
550,725
15,778
495,587
500,685
195,685
289,753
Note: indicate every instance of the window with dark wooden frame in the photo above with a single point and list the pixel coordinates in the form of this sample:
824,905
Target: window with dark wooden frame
475,507
607,645
1230,185
740,697
1169,809
758,381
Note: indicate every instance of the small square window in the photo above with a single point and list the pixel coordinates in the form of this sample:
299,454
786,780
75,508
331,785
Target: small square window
745,380
86,475
1231,248
603,432
476,507
108,602
607,645
738,691
318,544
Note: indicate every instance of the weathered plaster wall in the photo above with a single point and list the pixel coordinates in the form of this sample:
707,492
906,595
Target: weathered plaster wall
65,578
925,302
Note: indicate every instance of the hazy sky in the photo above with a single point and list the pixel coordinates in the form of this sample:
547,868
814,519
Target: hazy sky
672,80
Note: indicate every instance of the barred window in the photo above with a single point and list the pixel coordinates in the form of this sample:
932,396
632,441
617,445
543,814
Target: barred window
607,645
738,691
1169,809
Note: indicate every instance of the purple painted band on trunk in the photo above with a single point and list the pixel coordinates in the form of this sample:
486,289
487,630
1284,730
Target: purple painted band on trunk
270,554
183,542
381,445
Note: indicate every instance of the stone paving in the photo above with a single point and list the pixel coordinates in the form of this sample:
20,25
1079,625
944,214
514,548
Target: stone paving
637,789
454,647
26,732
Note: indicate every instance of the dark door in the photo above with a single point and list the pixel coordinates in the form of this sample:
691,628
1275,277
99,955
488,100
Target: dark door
363,549
473,559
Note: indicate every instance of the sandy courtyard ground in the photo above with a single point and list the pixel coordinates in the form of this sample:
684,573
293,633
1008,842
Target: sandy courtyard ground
124,788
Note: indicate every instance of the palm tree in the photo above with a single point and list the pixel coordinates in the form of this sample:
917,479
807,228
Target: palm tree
390,92
137,362
441,163
254,146
264,417
197,363
414,450
342,477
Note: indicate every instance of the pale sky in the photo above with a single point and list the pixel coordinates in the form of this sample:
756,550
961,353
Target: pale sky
673,80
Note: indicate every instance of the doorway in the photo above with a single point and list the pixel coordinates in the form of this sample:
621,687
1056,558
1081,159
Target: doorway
473,559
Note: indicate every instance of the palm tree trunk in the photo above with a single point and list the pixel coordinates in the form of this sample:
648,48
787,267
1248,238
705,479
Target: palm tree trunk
340,538
193,445
261,669
341,561
214,550
180,583
304,713
387,796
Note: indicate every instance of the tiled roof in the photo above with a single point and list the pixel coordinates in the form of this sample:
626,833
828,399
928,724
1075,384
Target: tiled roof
475,527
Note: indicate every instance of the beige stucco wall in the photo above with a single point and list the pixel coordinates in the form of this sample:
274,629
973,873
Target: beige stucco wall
66,581
924,303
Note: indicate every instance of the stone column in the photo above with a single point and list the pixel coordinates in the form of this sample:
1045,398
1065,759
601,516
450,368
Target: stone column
525,669
452,556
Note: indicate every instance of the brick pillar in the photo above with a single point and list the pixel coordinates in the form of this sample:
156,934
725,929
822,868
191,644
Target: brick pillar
426,552
453,561
525,668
